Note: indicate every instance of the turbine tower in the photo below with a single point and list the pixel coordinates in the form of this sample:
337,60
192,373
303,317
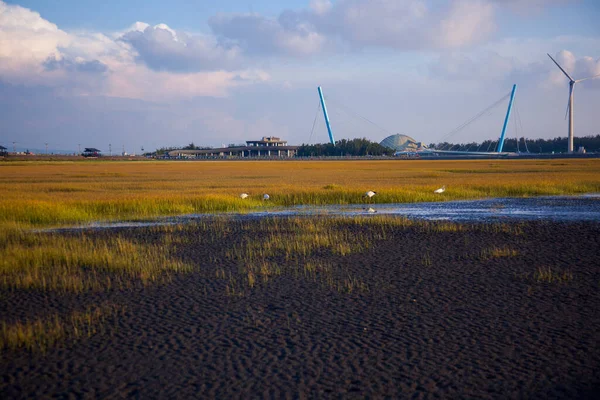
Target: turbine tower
571,104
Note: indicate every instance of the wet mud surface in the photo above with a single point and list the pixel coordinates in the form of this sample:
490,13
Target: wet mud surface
541,208
439,319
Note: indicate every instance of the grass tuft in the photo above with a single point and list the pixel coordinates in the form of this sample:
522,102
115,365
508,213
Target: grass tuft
40,334
64,263
550,275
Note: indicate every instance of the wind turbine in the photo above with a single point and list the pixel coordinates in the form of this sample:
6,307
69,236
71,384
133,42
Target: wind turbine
570,104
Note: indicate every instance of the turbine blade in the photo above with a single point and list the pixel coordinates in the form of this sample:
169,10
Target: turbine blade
585,79
561,68
569,102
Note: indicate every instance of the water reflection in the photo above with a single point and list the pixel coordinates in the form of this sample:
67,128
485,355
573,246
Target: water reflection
555,208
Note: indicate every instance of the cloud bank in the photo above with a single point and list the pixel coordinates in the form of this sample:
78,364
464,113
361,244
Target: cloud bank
134,64
252,74
398,25
160,63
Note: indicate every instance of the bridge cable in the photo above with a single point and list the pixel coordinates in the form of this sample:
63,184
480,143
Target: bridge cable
314,122
473,119
352,113
516,127
522,131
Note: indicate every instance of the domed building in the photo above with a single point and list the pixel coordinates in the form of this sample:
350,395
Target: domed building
400,142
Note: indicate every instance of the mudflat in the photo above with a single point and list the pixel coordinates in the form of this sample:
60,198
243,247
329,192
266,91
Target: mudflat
468,311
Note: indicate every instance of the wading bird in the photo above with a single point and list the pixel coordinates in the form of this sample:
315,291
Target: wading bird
370,194
440,190
266,197
243,195
370,210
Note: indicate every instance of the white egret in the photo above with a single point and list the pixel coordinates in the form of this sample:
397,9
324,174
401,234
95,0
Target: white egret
440,190
369,194
243,195
266,197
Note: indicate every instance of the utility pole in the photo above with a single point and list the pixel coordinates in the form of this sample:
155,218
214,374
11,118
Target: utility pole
123,152
110,149
46,148
78,148
14,147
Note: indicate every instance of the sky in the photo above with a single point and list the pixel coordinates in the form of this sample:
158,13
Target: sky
152,73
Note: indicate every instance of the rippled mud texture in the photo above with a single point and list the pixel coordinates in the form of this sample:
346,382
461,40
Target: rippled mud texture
445,310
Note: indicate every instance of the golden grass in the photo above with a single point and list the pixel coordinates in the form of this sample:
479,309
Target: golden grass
245,254
40,334
302,248
498,252
59,193
67,263
550,275
305,248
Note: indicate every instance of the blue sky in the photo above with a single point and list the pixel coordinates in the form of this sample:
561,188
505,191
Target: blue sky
155,73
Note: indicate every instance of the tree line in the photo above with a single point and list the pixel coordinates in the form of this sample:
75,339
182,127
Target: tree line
344,147
523,145
365,147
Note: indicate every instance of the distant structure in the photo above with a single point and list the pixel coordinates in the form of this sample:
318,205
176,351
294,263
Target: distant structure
571,103
503,134
267,147
91,152
402,143
324,107
3,151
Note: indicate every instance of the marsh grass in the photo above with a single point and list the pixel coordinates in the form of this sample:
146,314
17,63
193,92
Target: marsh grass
318,249
42,333
294,247
549,275
61,193
303,248
426,260
66,263
497,252
545,275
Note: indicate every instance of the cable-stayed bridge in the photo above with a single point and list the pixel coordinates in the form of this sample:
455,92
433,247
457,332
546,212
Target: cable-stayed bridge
500,110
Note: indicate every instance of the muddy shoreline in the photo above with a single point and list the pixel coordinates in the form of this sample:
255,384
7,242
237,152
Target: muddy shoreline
439,315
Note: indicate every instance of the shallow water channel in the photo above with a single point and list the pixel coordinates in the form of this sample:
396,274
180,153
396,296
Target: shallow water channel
551,208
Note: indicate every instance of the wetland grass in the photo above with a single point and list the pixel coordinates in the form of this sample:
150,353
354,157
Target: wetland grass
42,333
67,263
61,193
549,275
498,252
246,255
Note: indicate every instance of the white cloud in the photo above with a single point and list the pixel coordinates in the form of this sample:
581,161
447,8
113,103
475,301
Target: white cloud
35,52
525,6
261,35
162,48
466,22
578,68
320,7
395,24
26,41
471,66
139,82
522,61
